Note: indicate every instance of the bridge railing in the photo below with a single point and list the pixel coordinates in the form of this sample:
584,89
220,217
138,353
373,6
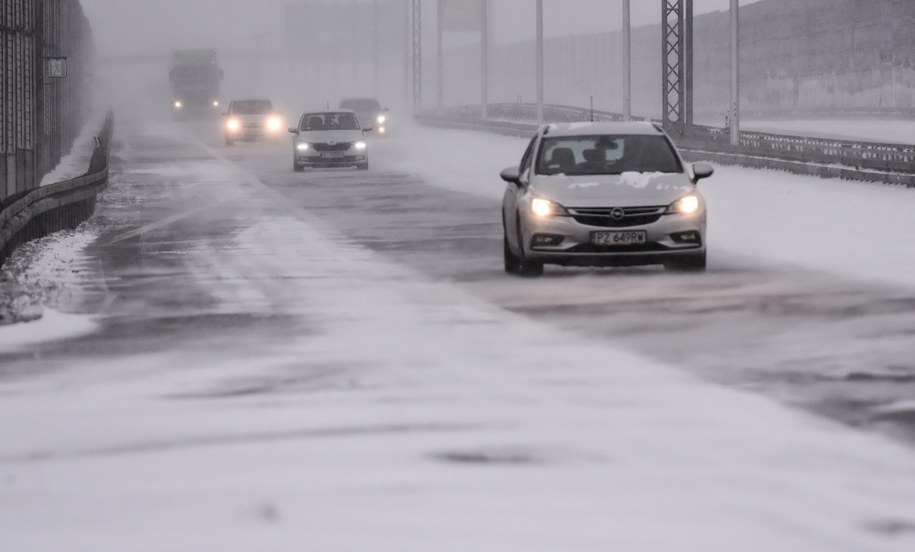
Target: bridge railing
847,159
57,206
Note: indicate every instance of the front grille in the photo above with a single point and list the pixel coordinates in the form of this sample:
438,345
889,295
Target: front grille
343,146
603,217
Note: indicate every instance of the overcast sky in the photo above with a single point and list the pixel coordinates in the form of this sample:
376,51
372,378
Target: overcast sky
132,26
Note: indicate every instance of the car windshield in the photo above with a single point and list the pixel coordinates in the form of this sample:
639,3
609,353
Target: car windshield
329,121
252,107
595,155
361,105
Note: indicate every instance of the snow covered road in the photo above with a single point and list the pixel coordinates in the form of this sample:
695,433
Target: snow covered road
334,361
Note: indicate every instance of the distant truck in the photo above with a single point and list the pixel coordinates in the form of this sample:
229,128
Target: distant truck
195,76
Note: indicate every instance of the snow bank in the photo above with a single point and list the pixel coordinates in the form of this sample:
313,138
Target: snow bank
52,326
48,272
76,163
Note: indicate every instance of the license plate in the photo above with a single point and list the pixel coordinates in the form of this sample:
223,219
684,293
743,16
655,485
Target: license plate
333,155
619,238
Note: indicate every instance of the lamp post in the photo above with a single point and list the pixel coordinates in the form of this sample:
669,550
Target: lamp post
484,58
627,60
734,117
440,54
540,62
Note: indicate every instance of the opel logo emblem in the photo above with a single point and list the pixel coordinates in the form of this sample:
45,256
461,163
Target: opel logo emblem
618,214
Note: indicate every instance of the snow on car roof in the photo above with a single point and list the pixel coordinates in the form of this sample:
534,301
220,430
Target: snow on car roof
598,128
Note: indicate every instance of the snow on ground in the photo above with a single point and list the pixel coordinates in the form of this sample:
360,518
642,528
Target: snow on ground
417,417
52,326
76,163
44,277
847,228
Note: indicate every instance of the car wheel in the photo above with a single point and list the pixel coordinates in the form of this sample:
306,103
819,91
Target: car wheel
230,142
527,268
511,262
363,167
297,168
687,263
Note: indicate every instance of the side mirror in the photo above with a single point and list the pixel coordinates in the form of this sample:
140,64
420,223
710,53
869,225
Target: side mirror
386,109
512,175
368,129
702,171
293,130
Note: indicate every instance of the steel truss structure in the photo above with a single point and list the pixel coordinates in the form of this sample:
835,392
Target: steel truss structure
677,65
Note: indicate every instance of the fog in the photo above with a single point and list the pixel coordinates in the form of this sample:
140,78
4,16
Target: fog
260,57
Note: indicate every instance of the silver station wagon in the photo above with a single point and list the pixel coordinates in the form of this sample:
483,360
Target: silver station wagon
603,194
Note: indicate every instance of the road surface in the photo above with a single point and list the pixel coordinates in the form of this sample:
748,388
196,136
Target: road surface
343,341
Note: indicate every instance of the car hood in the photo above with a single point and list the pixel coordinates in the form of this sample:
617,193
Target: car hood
630,189
327,136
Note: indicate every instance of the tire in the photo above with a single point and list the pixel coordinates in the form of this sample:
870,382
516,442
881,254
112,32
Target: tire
687,263
511,261
297,168
229,142
526,268
363,167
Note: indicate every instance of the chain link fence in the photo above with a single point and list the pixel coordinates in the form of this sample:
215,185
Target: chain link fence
41,111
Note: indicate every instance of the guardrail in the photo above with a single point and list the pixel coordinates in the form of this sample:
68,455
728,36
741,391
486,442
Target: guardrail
57,206
845,159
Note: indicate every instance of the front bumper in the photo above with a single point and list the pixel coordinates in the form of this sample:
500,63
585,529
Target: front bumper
318,161
664,241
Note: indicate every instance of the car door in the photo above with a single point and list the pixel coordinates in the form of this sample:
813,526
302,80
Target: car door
514,193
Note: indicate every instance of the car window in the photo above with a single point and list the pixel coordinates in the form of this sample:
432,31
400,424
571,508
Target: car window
329,121
528,155
593,155
252,107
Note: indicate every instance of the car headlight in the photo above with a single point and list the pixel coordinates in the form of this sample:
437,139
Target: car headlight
545,208
361,145
382,119
687,205
274,124
233,125
302,146
178,104
215,103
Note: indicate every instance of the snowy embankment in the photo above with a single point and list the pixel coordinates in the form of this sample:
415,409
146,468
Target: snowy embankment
851,229
417,417
76,162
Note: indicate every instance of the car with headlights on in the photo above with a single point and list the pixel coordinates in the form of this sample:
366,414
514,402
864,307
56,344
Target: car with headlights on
603,194
252,120
330,139
370,113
